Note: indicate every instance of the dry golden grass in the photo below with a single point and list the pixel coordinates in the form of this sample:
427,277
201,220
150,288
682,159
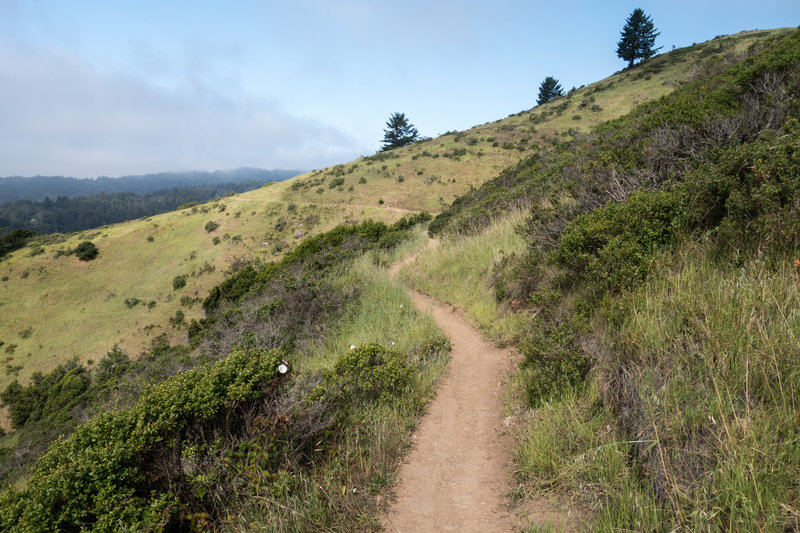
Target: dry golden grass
54,309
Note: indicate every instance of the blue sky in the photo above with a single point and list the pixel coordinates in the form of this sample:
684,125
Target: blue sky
90,88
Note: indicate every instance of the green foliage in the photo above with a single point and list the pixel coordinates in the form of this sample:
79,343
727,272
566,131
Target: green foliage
749,194
399,132
313,256
612,245
121,468
365,373
86,251
46,397
15,240
637,38
178,282
554,360
211,226
113,365
549,89
336,182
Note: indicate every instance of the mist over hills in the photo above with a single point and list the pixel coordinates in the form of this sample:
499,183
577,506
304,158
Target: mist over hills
37,188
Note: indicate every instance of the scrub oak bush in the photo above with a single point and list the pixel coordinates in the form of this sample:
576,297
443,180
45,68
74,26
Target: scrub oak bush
126,467
86,251
612,245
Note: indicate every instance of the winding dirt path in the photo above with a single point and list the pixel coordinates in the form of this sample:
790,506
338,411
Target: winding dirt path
458,475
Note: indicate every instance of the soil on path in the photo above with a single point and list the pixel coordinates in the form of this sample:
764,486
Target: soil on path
457,476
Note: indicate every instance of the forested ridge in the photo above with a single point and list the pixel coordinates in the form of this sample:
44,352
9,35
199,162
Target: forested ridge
65,215
36,188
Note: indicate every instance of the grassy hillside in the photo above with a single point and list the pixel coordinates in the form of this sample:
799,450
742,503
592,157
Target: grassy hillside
657,272
57,308
430,174
567,278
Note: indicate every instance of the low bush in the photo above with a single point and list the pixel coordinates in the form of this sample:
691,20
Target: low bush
612,245
86,251
128,467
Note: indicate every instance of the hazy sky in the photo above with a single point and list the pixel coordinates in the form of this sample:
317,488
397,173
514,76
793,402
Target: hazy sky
91,88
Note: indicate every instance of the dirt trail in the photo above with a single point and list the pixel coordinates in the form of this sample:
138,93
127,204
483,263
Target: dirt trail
457,476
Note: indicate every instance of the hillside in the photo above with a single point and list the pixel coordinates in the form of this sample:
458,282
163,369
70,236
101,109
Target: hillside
80,315
603,233
651,285
57,308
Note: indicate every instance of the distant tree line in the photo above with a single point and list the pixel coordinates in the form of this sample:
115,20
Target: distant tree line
65,215
36,188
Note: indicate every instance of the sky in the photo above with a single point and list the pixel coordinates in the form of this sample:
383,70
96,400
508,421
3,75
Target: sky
99,88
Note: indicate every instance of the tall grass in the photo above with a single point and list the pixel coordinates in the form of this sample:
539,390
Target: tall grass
344,492
692,422
458,272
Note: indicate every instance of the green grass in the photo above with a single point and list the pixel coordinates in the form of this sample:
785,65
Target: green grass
58,308
710,389
458,272
342,494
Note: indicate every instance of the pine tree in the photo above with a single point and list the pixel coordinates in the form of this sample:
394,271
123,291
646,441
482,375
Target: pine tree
399,132
549,89
637,38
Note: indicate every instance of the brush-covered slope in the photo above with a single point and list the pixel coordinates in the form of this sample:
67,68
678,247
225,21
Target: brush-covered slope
428,175
56,308
657,267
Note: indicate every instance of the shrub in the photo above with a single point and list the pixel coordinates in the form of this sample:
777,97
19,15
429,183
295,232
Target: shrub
211,226
612,245
336,182
178,282
126,467
367,372
86,251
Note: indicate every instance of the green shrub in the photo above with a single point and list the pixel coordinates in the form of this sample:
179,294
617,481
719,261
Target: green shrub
554,361
336,182
612,245
86,251
178,282
48,396
211,226
368,372
125,467
112,365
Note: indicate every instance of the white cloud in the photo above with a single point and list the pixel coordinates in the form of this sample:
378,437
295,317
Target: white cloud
61,115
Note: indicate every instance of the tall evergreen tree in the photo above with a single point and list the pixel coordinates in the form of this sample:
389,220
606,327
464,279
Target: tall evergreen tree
399,132
549,89
637,38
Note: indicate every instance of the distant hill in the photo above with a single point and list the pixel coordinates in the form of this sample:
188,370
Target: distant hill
66,215
37,188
